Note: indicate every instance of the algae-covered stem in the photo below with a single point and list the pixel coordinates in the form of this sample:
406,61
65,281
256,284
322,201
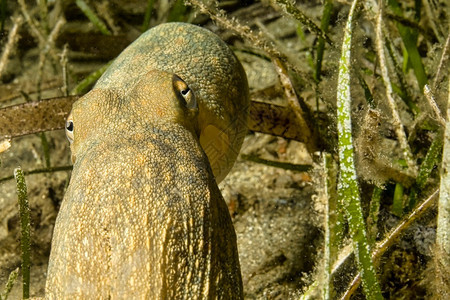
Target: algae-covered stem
348,190
9,284
333,225
24,213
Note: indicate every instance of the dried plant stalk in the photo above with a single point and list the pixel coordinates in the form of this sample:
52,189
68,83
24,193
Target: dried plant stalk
382,246
430,97
294,104
49,45
293,11
90,14
11,43
396,122
31,22
442,63
50,114
442,252
63,61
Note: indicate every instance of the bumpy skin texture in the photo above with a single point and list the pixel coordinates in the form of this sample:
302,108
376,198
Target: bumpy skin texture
209,67
143,217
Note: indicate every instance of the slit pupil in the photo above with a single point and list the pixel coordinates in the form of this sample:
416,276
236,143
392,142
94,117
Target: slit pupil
185,92
69,126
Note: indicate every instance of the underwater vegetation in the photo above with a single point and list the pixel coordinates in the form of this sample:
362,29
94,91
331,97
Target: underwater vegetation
364,85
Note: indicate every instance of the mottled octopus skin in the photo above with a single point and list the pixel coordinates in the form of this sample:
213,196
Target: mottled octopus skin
212,71
143,217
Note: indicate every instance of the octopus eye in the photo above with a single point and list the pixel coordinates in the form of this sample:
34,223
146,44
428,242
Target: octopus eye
184,93
69,128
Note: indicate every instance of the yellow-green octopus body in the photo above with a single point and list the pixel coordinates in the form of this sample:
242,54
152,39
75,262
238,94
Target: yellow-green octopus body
143,217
